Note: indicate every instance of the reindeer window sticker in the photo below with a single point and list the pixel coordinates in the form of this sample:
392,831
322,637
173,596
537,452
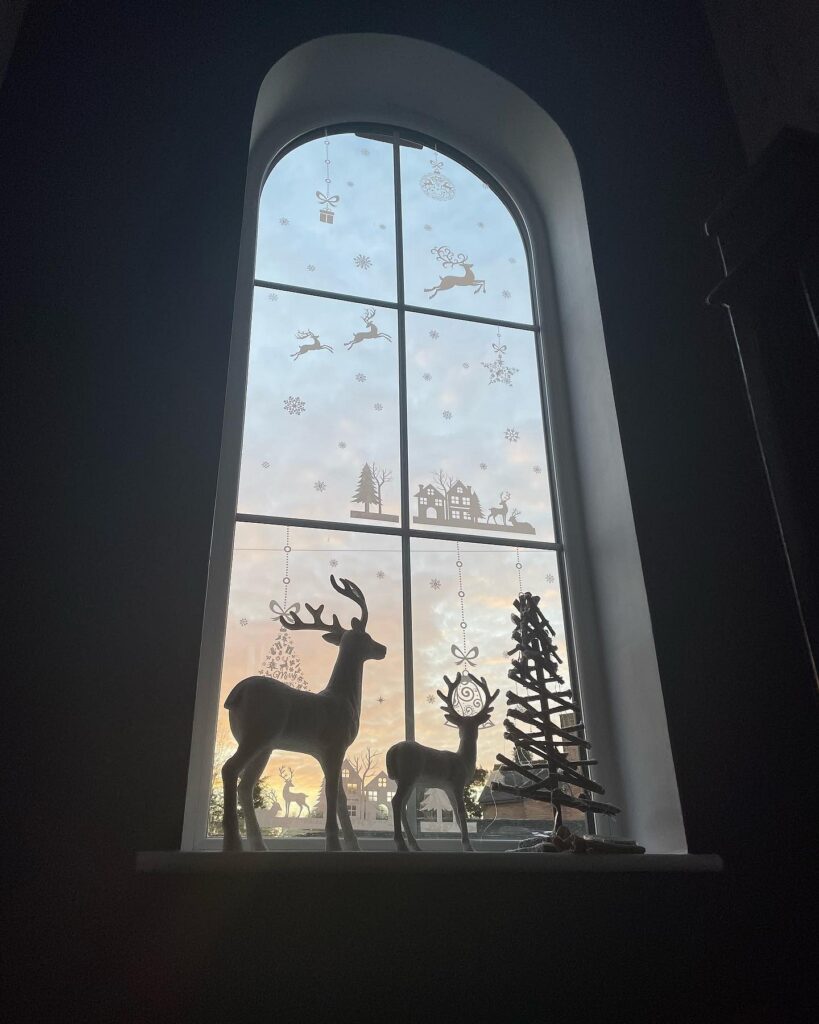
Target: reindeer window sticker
447,259
371,332
312,346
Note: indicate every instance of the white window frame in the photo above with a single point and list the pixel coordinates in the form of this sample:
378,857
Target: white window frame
530,158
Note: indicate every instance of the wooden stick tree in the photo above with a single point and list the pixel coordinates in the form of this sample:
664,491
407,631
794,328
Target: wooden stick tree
544,752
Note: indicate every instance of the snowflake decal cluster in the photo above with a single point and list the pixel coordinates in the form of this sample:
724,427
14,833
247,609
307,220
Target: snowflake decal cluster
294,406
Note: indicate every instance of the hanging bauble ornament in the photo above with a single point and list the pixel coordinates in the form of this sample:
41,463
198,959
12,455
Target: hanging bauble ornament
436,185
327,213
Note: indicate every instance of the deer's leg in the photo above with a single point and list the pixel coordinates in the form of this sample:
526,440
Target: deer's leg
411,840
397,815
350,838
332,777
250,776
456,798
231,769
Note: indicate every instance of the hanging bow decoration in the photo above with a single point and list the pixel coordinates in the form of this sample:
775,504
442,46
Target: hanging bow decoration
279,612
468,658
500,349
329,200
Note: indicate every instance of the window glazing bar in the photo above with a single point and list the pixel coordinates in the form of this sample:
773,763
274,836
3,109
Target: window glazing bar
389,304
399,531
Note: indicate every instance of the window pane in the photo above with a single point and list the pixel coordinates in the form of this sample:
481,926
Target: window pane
345,246
315,420
490,584
470,236
477,448
255,643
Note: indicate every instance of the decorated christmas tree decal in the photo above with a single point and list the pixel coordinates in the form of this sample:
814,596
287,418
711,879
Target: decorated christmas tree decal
551,757
282,662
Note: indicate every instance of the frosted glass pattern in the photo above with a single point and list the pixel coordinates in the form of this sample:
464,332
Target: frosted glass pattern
477,450
345,246
470,237
321,433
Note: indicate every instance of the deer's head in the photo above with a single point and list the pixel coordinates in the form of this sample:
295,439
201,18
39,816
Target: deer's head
468,689
355,640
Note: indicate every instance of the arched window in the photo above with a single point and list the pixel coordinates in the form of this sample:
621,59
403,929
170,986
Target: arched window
387,418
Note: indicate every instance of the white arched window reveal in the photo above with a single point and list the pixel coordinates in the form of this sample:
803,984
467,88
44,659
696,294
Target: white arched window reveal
386,420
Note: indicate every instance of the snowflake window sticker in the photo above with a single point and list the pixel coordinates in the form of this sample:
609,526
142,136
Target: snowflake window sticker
333,563
483,465
378,407
380,574
272,297
506,294
361,377
362,262
265,465
499,371
435,584
549,578
434,335
342,444
430,699
427,376
447,414
536,469
319,486
283,221
311,267
294,406
242,622
511,435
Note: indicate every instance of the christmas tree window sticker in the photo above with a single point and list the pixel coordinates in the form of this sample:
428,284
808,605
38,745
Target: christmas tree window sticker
282,662
371,482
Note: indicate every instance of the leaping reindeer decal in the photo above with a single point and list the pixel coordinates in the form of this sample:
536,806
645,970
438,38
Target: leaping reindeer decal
314,345
448,259
371,332
268,715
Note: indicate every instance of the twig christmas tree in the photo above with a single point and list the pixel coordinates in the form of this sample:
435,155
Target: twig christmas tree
543,753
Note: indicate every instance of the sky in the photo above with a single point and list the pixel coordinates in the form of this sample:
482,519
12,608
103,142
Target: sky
314,418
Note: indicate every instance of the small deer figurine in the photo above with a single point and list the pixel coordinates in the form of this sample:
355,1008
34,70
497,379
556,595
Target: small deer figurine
412,764
289,797
371,332
266,714
449,259
500,510
314,345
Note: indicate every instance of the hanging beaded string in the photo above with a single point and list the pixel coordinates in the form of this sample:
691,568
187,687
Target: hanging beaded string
286,577
326,212
462,655
518,564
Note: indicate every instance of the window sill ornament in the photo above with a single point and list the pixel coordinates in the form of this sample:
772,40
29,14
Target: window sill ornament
447,258
467,705
435,184
543,768
267,715
326,213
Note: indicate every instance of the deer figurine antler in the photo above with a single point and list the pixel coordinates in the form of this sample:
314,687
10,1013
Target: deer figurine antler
266,714
412,764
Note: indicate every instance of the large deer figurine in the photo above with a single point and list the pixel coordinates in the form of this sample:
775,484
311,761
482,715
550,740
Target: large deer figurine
412,764
314,345
289,797
268,715
448,259
371,332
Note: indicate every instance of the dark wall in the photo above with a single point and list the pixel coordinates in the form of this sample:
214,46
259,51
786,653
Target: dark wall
124,131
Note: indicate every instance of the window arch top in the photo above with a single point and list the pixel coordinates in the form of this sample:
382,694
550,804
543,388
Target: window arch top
327,222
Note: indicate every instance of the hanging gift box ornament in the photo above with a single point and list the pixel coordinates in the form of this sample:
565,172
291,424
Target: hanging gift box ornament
436,185
326,213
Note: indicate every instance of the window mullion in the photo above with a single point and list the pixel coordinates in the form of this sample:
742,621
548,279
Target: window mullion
406,576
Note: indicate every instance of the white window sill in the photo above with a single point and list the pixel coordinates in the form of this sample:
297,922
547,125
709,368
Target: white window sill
428,862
